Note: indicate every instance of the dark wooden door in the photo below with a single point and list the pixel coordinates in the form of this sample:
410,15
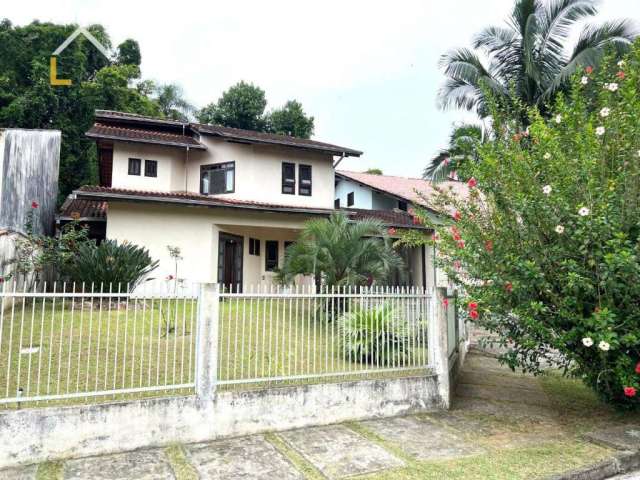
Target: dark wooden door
230,260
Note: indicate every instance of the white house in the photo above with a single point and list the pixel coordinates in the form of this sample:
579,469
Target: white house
230,199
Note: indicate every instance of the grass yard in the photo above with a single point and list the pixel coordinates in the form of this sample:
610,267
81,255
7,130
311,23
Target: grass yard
61,347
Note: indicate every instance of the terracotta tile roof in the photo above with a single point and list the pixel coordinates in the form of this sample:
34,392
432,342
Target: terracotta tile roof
388,217
155,126
186,198
86,209
141,135
403,187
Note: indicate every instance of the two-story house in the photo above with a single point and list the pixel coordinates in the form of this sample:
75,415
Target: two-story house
231,200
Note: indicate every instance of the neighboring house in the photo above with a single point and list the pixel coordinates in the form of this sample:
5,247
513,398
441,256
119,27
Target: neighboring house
230,199
29,162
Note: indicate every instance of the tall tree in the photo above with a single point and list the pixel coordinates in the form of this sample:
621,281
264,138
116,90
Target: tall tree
129,53
463,146
242,106
531,59
290,120
28,100
172,103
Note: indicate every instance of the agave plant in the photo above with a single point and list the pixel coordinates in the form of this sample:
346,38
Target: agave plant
372,335
110,263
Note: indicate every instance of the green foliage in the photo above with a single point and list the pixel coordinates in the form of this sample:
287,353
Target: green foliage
374,171
531,58
172,103
337,251
242,106
110,263
370,334
28,100
548,243
463,147
37,255
290,120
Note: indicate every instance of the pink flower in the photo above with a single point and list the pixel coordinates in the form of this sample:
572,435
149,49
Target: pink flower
488,246
508,287
589,69
460,243
170,277
435,237
473,305
34,205
457,216
630,391
620,75
472,182
392,231
445,302
416,220
474,314
638,368
457,264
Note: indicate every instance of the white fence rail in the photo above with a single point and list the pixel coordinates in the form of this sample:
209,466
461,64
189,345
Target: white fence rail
275,335
69,341
73,343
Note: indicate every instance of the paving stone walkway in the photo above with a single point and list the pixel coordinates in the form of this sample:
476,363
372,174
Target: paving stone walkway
494,409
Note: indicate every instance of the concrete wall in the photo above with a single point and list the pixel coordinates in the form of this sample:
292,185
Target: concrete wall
362,196
258,170
35,435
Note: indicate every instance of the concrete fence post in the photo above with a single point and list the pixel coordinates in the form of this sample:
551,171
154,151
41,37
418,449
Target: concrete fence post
438,344
207,340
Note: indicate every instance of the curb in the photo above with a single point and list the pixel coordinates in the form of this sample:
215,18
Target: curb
625,462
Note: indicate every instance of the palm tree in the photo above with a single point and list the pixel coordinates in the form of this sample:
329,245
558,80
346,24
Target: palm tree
529,59
340,252
172,103
463,146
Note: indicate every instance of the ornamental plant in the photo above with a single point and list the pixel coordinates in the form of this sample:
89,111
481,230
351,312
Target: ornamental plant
547,243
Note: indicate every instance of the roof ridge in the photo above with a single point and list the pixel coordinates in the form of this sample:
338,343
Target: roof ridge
383,175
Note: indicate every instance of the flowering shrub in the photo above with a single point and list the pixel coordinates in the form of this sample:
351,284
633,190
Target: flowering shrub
547,246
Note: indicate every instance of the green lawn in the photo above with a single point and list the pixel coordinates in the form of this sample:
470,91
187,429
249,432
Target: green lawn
80,347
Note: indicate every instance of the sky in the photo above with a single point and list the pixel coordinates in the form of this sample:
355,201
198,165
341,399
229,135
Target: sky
366,70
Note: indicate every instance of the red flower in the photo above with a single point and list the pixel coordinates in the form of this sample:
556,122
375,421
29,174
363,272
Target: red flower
638,368
620,75
392,231
488,246
508,287
474,314
457,216
630,391
445,302
472,182
473,305
34,205
589,69
461,243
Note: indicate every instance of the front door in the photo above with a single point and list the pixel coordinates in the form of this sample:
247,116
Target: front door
230,260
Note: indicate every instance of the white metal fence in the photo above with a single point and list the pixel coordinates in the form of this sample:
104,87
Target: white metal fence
67,341
72,343
275,335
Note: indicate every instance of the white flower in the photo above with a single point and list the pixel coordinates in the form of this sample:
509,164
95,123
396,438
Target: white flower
605,112
604,346
547,156
584,80
612,87
621,63
583,212
587,341
559,229
558,118
546,189
600,131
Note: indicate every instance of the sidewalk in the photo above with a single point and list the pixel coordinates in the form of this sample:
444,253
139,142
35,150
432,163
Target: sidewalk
502,425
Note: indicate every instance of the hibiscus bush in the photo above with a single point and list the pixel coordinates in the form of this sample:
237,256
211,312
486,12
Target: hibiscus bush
546,246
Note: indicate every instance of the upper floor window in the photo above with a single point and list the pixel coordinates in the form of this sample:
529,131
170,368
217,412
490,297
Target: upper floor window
336,203
402,205
350,199
150,168
134,166
217,178
288,178
305,180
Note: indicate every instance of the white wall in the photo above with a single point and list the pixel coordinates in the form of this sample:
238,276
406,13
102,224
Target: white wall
171,165
362,196
383,202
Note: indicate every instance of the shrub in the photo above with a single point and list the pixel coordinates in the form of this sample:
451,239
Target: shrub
371,335
548,243
111,263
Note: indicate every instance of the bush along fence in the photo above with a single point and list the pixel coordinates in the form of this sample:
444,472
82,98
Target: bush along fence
196,362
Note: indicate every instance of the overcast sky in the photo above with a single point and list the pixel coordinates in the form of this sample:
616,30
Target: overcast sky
366,70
